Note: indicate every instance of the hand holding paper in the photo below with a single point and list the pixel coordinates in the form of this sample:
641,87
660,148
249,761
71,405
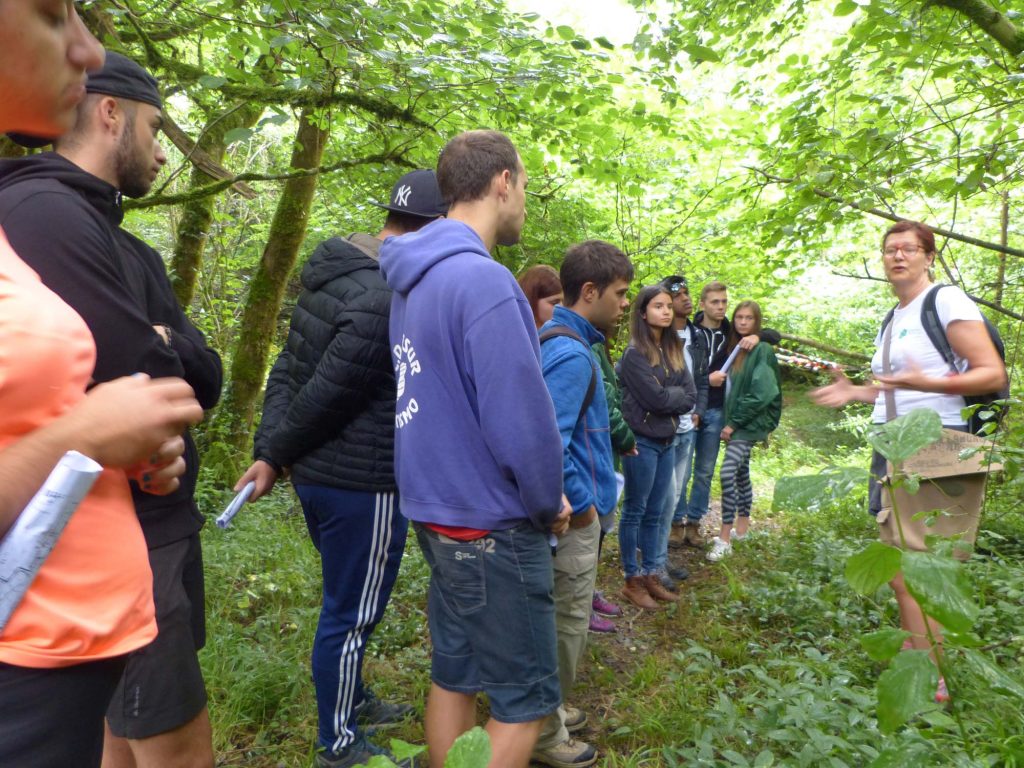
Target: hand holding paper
236,504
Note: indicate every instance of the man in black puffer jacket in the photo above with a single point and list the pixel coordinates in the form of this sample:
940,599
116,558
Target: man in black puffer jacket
329,418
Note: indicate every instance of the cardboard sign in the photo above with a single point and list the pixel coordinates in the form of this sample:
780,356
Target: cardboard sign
942,458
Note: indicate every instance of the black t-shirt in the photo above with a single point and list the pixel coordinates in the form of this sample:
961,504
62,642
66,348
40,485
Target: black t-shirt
714,340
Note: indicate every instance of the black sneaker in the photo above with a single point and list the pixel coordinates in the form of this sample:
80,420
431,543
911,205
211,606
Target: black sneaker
667,581
359,752
679,573
374,713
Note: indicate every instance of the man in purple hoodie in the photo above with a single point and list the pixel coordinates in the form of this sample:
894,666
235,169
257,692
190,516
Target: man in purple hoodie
478,454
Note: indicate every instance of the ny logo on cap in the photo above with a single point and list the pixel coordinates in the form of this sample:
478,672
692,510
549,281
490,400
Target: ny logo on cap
402,195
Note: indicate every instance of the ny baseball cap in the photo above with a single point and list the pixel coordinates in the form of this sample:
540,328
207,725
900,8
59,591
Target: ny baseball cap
417,194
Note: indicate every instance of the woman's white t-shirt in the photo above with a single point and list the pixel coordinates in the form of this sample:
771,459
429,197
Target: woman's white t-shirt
910,344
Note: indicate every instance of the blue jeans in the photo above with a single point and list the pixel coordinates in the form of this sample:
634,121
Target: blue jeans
492,619
644,507
705,456
684,445
675,500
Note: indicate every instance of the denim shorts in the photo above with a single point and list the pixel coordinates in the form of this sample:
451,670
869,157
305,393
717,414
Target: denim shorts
492,619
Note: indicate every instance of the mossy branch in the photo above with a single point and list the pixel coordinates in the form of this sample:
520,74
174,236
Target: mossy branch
219,186
988,19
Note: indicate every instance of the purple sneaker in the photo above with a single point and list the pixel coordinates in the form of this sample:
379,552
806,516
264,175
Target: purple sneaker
600,623
603,607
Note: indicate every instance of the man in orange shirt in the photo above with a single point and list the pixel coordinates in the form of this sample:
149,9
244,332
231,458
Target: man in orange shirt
119,286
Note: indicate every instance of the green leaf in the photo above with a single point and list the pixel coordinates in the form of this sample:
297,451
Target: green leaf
212,81
281,41
996,679
604,42
814,492
565,32
883,644
471,750
941,588
902,437
701,53
872,567
735,757
764,759
403,750
906,688
899,757
845,8
237,134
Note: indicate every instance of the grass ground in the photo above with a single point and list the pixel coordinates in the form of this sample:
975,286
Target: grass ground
758,665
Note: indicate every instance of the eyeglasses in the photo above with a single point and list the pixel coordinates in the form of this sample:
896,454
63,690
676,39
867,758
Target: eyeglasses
908,250
675,288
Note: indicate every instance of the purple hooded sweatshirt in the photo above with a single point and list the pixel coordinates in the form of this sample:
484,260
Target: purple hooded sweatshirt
476,442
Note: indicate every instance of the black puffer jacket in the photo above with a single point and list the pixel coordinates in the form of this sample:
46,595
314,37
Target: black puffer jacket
329,410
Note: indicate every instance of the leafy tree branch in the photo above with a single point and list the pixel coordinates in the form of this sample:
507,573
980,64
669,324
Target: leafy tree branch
991,21
825,194
219,186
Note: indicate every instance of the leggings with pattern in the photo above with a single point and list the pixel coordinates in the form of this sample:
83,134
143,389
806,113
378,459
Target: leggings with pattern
737,493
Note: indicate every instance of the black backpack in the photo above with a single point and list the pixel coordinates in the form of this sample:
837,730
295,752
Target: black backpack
937,335
561,330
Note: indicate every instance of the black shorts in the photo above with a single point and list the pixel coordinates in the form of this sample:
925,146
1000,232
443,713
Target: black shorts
53,718
162,686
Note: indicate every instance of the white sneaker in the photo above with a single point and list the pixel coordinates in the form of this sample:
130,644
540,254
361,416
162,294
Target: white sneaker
719,549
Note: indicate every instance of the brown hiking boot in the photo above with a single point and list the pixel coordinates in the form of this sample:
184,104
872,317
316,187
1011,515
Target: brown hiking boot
677,536
657,590
636,592
691,536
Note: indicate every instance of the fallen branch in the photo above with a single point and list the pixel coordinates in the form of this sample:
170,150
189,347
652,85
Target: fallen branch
200,158
827,348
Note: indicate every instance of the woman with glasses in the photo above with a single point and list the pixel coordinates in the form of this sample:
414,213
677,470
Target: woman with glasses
909,372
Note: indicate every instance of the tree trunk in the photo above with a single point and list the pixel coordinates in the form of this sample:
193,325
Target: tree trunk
197,214
287,231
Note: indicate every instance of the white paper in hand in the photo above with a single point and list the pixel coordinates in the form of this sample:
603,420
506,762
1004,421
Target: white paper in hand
34,534
731,359
236,504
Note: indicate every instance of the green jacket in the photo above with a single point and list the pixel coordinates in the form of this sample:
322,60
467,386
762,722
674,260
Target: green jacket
753,406
623,440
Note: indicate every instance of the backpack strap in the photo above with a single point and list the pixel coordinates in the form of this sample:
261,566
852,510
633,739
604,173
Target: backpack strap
933,327
887,320
561,330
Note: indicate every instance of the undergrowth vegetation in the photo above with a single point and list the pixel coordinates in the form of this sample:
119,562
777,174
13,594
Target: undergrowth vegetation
760,664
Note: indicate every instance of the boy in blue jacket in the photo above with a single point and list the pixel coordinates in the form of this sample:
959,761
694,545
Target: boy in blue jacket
595,277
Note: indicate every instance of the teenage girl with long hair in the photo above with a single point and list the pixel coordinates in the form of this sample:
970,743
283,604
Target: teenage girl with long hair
753,405
656,389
